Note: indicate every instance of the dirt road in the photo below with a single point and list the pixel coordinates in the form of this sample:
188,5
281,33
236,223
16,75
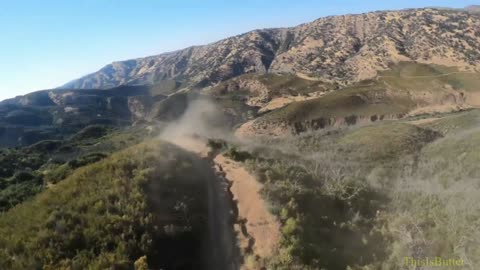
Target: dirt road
240,223
221,249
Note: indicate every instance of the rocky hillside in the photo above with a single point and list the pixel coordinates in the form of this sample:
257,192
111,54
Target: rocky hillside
343,49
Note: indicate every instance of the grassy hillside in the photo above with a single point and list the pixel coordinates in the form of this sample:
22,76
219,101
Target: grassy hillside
456,123
145,201
376,145
356,100
457,155
26,171
408,76
327,212
404,88
434,209
366,197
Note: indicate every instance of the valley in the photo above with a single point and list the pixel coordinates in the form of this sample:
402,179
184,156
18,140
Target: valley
346,143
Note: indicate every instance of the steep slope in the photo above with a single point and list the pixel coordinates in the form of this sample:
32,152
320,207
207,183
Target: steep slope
339,48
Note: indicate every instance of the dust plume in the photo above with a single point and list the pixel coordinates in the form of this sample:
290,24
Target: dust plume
202,119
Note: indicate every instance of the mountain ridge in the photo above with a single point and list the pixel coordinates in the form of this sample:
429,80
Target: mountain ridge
345,48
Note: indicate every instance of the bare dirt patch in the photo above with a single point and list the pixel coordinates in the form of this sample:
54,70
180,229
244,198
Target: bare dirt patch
251,129
425,121
447,108
473,99
246,130
277,103
282,101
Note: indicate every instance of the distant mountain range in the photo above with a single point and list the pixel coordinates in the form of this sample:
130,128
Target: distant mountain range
342,49
285,77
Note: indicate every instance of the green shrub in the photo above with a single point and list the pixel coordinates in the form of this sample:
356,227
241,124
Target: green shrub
45,146
22,176
216,144
19,188
322,207
85,160
56,173
237,155
91,132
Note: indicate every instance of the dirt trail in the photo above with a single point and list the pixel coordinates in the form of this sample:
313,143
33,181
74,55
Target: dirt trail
236,209
424,121
428,76
282,101
259,230
222,252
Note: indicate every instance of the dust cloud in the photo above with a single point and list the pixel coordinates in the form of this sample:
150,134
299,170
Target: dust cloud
202,119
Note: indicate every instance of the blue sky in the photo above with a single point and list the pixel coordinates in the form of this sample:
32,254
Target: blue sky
44,44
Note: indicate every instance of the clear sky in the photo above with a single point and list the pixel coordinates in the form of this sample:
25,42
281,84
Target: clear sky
46,43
